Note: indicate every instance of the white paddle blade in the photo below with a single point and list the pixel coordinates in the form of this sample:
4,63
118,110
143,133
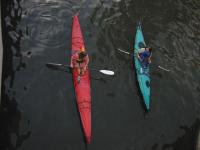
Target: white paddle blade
107,72
123,51
163,68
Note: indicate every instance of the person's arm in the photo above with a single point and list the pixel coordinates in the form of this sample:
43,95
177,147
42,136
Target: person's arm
138,55
87,60
149,59
73,63
150,54
141,50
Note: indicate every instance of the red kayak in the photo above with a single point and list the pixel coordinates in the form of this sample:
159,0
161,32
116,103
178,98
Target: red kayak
82,89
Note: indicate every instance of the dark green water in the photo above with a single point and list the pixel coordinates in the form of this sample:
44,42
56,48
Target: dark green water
38,104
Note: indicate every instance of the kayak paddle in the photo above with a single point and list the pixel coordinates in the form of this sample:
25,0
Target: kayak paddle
160,67
123,51
106,72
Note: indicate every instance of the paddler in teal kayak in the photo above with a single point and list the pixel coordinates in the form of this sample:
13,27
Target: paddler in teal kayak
80,61
144,55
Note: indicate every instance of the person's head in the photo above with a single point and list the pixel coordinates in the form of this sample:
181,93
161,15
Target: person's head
149,49
81,55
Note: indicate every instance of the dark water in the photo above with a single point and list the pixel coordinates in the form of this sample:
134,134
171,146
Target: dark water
38,104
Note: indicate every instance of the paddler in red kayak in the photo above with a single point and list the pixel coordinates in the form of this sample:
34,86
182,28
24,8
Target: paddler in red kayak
80,61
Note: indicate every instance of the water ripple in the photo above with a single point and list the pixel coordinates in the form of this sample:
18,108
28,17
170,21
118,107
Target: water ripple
41,28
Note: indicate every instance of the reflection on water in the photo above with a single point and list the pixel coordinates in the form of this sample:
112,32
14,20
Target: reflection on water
14,125
39,108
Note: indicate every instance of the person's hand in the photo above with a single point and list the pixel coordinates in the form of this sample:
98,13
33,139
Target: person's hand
139,58
71,64
149,61
85,68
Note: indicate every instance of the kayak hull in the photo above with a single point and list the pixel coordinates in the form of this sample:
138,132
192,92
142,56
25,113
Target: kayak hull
82,89
143,76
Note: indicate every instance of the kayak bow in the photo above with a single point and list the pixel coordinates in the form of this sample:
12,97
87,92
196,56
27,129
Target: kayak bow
82,89
143,76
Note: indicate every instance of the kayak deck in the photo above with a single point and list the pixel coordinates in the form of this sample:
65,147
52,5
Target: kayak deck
143,75
82,89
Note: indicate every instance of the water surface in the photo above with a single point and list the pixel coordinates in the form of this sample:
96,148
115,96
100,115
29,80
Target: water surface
38,104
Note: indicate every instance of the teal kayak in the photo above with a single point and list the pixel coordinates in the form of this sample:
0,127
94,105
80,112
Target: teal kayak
143,76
